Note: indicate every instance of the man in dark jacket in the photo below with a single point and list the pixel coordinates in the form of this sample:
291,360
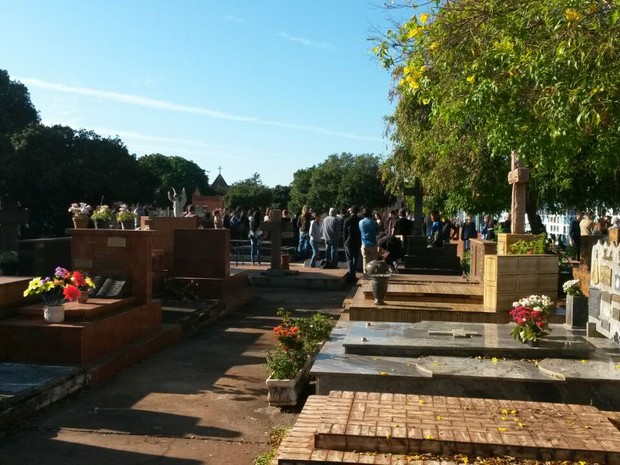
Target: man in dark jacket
352,238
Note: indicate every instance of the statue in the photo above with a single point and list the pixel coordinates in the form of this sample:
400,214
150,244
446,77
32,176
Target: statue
178,201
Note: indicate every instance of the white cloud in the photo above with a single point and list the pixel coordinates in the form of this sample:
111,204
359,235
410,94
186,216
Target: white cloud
175,107
306,42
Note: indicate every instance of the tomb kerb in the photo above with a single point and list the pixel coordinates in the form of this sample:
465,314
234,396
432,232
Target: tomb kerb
510,277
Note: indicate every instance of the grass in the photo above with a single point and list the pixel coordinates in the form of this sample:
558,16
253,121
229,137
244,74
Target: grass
275,439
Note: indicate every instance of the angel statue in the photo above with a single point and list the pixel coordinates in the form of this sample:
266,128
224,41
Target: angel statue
178,201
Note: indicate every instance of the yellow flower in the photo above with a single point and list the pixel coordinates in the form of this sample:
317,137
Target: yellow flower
414,32
424,18
571,15
471,78
494,359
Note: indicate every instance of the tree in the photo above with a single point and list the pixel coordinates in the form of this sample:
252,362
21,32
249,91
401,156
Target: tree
281,196
168,172
52,167
250,194
476,79
340,181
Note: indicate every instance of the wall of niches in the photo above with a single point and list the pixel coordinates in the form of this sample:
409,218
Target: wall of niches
604,303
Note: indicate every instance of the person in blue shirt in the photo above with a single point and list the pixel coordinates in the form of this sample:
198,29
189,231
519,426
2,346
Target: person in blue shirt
368,229
435,238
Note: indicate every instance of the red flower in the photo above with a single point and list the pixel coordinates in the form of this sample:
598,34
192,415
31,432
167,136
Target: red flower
78,279
71,292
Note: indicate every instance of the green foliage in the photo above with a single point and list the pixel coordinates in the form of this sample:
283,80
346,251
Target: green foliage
250,193
163,173
340,181
276,436
8,257
295,339
466,261
537,246
477,79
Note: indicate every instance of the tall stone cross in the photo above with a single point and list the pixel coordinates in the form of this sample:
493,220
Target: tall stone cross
518,176
276,227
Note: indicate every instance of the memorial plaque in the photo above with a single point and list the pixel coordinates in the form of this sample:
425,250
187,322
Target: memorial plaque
605,275
594,302
83,263
117,242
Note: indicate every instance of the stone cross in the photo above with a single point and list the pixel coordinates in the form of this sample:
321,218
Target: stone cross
518,177
276,226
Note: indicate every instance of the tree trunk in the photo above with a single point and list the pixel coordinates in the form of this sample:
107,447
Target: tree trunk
536,225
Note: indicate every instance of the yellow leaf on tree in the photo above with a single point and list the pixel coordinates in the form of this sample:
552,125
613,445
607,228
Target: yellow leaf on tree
424,18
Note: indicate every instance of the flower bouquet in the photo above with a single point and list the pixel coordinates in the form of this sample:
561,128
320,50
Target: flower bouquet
573,287
55,289
530,314
84,284
125,217
80,210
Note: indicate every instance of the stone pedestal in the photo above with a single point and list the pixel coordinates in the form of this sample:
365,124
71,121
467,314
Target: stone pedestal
508,278
479,248
505,241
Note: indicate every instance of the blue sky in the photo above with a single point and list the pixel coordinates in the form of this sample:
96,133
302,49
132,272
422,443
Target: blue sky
266,87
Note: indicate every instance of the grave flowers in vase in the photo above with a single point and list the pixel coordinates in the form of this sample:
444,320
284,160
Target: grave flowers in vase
576,304
102,216
80,212
531,314
126,217
289,362
84,284
55,290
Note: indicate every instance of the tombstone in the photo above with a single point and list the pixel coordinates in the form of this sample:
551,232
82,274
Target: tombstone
276,227
604,303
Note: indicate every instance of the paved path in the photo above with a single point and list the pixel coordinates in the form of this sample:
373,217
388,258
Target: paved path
201,401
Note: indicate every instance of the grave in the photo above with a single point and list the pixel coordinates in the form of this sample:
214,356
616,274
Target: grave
604,291
97,328
397,429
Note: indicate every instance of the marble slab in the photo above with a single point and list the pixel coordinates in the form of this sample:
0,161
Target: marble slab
587,370
458,339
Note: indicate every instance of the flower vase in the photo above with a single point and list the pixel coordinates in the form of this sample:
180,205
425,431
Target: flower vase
576,311
533,342
83,297
286,392
54,313
102,224
80,222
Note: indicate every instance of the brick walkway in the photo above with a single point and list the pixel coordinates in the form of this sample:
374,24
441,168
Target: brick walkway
379,428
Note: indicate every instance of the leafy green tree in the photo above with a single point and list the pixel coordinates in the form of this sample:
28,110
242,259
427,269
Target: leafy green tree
52,167
478,79
340,181
168,172
280,196
250,194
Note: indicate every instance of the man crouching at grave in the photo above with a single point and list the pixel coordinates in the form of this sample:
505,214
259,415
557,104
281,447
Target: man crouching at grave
368,229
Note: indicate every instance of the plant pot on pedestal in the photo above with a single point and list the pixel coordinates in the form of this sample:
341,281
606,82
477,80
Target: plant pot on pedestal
128,224
576,311
54,313
80,222
102,224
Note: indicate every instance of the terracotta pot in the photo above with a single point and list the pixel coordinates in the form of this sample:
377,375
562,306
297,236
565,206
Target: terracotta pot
80,222
83,298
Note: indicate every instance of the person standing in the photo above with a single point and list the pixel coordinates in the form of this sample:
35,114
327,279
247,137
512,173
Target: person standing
331,234
256,237
315,238
403,227
586,225
352,238
303,223
574,233
435,238
487,231
468,231
368,230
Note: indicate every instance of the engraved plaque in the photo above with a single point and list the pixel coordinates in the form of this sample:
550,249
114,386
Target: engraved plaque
117,242
606,275
83,263
594,302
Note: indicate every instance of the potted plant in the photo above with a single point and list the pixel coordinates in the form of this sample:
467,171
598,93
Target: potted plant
102,216
80,212
126,217
8,262
55,290
531,314
289,362
576,304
